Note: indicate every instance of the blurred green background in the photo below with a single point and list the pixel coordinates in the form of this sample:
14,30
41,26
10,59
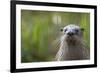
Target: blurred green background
40,32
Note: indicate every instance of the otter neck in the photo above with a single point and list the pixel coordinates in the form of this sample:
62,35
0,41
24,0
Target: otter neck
74,44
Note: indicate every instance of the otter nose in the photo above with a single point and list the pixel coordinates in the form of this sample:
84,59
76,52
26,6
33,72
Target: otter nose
70,33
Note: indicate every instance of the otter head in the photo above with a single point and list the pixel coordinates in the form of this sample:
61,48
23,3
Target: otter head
72,33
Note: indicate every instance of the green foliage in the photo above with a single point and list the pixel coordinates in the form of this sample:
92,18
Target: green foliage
40,29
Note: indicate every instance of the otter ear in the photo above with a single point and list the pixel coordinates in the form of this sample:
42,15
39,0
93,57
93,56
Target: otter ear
61,29
82,29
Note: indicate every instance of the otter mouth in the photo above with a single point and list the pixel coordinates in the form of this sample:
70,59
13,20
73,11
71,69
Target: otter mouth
70,39
71,42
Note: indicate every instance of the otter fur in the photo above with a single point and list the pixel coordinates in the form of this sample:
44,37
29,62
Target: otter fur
72,45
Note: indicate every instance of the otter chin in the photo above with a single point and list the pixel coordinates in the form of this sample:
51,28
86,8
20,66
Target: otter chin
72,45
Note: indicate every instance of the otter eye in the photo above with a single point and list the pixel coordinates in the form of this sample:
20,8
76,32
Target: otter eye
76,30
65,30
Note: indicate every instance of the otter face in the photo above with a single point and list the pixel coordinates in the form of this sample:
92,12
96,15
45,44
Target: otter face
72,31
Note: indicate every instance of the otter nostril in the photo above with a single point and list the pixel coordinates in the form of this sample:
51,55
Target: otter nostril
70,33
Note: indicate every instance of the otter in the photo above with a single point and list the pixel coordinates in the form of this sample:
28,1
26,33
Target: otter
72,45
